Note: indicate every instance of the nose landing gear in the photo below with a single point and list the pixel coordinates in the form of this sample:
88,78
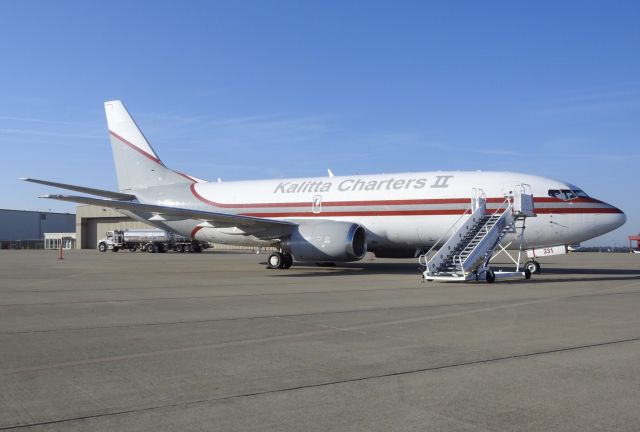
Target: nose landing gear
533,266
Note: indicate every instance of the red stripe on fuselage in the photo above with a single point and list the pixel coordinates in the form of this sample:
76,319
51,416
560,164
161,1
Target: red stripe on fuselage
256,205
360,213
579,210
421,212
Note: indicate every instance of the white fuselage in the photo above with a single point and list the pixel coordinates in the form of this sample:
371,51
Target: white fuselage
399,211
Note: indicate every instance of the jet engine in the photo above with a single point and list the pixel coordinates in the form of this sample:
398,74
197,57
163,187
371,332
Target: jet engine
327,241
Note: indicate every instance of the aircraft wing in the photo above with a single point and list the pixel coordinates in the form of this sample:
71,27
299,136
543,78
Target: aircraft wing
253,224
83,189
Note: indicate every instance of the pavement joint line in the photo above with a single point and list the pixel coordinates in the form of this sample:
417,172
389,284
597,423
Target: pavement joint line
251,317
345,329
320,325
325,329
218,296
312,313
203,297
324,384
222,295
161,352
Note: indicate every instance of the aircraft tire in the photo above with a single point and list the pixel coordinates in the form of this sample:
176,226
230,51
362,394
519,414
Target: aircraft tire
533,266
275,260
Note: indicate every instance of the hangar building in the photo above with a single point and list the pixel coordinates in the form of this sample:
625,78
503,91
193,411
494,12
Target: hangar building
92,222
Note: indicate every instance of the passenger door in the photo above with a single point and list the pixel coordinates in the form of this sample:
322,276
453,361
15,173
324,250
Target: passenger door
316,204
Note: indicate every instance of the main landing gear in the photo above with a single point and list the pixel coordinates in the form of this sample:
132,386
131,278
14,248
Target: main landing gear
533,266
279,260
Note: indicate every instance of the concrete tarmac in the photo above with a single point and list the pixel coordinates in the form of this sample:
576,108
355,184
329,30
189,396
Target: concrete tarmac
216,342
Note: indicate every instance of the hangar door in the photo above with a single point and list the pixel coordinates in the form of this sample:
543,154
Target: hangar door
96,228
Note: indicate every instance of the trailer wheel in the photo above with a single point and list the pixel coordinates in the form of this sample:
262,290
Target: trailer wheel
102,247
151,248
132,248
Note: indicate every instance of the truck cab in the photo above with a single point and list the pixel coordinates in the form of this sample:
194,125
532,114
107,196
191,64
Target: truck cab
113,240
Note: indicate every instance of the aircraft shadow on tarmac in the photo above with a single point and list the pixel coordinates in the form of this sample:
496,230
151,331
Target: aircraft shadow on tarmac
305,270
311,269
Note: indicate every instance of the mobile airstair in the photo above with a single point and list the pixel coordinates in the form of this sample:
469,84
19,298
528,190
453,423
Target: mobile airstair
474,237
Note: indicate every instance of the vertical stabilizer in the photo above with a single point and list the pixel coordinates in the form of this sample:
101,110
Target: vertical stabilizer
137,164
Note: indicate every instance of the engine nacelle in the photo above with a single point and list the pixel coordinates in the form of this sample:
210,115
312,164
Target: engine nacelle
327,241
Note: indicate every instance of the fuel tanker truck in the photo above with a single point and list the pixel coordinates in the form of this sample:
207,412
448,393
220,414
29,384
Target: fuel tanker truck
148,240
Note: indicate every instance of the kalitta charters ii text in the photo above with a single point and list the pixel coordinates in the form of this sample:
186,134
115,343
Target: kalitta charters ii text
360,184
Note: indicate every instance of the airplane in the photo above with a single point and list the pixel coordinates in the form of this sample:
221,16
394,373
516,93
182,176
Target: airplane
329,219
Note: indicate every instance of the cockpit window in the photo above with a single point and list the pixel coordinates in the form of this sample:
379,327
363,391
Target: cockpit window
567,194
554,193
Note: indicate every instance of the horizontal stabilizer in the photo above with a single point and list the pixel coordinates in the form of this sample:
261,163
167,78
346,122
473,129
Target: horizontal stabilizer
83,189
173,212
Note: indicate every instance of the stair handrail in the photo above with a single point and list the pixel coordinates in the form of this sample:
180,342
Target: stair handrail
506,201
426,254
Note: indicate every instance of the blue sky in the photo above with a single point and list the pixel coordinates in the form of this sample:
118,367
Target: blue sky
267,89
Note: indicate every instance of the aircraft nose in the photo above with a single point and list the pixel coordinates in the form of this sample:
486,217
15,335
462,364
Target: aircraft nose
616,218
620,219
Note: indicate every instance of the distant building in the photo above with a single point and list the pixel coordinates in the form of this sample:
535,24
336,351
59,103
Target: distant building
25,229
64,240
